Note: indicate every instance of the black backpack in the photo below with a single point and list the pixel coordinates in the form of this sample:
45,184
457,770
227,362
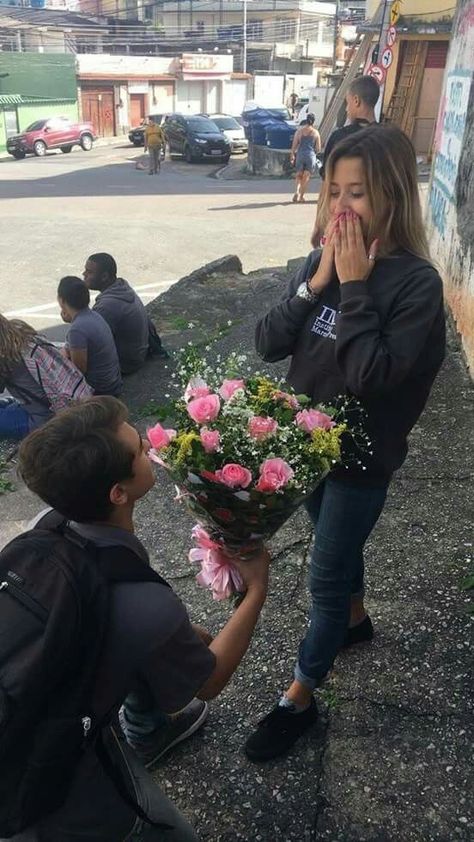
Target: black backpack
54,596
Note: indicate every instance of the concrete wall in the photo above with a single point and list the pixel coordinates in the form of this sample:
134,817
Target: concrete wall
451,197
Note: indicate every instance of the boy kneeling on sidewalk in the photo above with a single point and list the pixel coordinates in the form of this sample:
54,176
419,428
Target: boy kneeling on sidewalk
90,465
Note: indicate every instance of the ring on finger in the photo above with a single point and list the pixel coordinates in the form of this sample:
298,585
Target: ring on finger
371,257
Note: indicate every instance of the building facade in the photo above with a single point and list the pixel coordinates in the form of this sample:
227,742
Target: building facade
412,67
451,196
117,92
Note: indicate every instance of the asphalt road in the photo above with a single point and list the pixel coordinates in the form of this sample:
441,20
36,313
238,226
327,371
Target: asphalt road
57,210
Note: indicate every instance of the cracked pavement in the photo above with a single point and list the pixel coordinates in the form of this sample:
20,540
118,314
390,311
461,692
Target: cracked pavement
391,756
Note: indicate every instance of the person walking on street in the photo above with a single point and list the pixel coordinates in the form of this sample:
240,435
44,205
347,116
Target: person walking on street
361,100
306,144
154,141
364,318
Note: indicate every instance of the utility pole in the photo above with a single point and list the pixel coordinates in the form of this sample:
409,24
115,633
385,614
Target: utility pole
245,38
336,34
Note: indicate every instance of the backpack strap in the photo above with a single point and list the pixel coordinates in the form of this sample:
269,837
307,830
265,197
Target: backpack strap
121,564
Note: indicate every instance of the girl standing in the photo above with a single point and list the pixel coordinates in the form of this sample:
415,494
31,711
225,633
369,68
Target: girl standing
363,317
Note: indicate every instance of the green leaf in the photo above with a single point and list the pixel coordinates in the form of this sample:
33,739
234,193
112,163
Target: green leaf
467,584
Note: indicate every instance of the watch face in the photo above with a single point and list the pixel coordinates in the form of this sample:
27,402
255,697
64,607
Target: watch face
303,292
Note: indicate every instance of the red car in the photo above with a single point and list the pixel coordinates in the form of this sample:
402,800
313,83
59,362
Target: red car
55,133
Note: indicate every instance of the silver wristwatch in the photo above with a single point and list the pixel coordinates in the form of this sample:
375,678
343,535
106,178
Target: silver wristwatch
306,293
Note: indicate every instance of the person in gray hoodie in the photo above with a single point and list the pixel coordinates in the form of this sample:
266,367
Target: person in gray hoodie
134,334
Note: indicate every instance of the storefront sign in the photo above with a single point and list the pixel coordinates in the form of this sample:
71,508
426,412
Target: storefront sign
206,66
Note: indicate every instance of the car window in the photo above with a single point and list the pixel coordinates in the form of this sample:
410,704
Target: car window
156,118
57,124
226,123
39,124
202,125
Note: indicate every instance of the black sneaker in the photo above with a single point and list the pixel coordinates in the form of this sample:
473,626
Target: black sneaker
361,633
277,732
178,728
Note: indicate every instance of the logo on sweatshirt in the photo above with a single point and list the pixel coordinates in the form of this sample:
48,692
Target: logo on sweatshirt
325,323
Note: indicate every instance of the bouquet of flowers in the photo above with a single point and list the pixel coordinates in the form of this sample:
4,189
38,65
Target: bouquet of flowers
244,452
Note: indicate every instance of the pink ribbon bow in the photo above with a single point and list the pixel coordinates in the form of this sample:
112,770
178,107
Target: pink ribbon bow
217,573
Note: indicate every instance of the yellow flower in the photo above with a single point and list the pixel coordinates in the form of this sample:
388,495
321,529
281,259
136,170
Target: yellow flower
327,443
183,444
265,390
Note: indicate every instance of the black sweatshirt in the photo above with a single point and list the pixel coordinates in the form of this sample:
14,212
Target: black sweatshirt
380,340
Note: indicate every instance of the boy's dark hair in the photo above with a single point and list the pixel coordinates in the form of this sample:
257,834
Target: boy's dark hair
74,292
105,262
73,461
367,89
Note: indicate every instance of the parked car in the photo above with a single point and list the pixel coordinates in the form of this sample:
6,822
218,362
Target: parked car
232,130
137,134
53,133
196,138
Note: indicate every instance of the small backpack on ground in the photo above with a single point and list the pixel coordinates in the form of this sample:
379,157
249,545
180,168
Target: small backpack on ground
54,596
155,348
60,380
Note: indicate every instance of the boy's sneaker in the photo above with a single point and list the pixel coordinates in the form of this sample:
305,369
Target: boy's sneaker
277,732
361,633
178,728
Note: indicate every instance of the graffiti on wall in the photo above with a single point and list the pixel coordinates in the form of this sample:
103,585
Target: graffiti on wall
452,125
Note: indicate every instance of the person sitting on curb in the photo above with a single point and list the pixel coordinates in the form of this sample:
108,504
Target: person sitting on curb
361,100
134,334
150,641
89,342
39,380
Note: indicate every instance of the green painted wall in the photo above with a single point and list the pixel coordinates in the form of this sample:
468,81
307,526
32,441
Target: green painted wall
39,74
29,113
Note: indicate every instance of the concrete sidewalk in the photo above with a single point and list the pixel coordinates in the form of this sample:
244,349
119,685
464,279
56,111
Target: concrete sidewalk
391,758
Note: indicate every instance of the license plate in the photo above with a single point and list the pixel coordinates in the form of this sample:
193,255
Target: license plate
216,152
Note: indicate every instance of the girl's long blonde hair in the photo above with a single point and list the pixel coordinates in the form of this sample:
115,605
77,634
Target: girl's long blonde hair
15,336
389,162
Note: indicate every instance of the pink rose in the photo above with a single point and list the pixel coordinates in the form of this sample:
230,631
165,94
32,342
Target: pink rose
289,399
229,387
196,388
274,474
210,439
235,476
260,427
159,437
309,419
205,409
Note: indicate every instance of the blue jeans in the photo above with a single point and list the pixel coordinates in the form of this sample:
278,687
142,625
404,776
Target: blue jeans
14,420
343,517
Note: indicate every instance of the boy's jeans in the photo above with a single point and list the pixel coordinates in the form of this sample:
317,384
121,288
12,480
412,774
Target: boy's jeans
343,517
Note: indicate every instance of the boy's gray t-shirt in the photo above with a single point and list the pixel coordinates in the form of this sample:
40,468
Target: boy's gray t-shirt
89,331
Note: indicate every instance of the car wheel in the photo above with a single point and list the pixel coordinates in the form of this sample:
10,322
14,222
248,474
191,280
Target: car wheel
18,155
66,149
39,148
226,159
188,155
138,142
86,142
